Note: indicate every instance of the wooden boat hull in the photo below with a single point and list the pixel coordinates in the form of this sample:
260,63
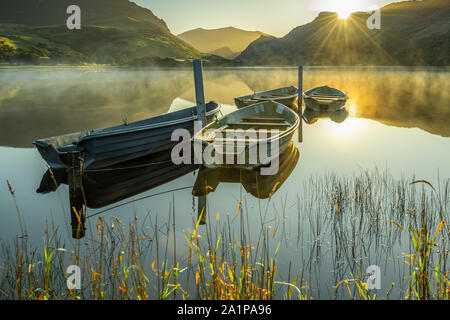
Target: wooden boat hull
246,138
287,96
325,99
106,147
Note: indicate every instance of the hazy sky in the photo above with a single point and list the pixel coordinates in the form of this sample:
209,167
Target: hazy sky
276,17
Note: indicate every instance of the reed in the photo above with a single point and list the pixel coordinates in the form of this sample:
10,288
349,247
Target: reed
408,213
351,221
430,240
115,265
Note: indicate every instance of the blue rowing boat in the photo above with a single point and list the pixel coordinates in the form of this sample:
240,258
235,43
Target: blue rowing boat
105,147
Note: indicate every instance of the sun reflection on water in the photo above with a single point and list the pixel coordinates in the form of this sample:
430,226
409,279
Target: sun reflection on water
350,129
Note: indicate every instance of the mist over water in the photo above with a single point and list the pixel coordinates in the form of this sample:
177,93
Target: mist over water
36,104
398,122
47,102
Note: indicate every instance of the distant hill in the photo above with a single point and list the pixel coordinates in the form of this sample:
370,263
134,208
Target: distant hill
226,42
112,31
412,33
226,53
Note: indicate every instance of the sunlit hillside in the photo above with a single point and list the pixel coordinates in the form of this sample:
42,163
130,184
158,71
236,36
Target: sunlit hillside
112,32
411,33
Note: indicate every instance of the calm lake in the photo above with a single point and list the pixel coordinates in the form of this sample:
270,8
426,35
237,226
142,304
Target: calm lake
398,123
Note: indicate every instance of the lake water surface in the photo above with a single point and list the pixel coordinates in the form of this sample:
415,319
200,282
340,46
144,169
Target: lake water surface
398,123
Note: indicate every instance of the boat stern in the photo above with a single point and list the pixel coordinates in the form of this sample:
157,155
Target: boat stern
54,159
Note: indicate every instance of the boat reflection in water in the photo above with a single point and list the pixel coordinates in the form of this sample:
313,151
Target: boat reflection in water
106,186
260,186
103,187
311,116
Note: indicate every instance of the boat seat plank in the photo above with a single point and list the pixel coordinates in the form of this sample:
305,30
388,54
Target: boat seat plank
225,140
255,99
245,131
274,96
258,124
326,98
264,119
237,135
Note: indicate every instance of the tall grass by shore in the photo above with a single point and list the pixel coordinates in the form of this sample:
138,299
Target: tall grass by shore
353,222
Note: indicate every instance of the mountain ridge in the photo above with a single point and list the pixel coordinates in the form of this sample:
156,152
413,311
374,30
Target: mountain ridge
212,40
112,32
53,12
412,33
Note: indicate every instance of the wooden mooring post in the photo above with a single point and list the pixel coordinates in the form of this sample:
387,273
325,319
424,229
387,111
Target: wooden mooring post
77,214
200,92
201,112
300,103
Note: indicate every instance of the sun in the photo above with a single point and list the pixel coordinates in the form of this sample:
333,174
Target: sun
344,14
344,8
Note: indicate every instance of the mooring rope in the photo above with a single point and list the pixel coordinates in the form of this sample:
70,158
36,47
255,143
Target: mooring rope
128,167
142,198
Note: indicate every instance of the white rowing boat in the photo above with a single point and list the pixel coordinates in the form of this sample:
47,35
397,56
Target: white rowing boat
249,137
325,99
287,96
